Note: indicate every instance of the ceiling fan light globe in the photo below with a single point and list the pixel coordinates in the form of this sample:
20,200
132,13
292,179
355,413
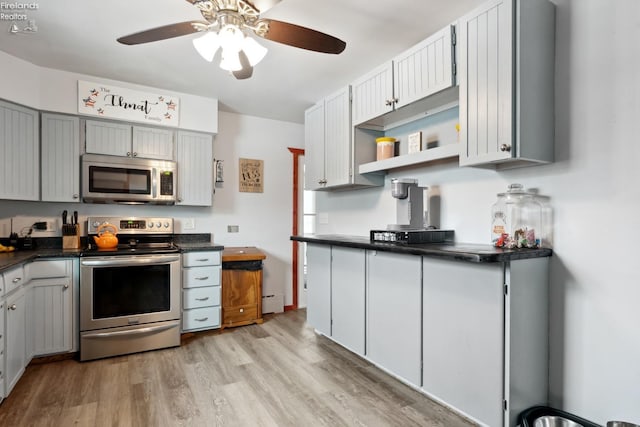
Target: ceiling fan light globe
207,45
255,51
230,61
231,38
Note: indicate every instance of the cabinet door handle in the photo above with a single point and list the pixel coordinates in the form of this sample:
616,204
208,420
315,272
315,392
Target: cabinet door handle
203,260
66,286
128,153
17,279
202,278
13,307
202,320
202,299
387,102
75,196
505,147
242,310
135,154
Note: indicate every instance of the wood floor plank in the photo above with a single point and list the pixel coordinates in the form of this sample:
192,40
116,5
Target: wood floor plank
280,373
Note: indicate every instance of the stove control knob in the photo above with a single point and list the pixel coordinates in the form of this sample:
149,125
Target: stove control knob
96,224
150,225
166,225
158,224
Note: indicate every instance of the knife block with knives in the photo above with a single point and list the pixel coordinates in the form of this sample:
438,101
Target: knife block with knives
70,232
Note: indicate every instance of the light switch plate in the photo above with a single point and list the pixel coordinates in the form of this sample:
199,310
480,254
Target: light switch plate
189,224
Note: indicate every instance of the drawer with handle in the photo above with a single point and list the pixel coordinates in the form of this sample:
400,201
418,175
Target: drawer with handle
201,276
201,297
13,278
201,318
197,259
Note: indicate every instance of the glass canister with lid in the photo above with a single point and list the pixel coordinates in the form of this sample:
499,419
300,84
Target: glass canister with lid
516,219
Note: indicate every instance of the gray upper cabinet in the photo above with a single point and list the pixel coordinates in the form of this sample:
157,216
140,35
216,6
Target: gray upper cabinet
19,153
331,156
506,75
119,139
60,150
422,70
195,168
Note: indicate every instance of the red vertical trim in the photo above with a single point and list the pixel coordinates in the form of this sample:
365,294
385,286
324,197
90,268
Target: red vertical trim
297,152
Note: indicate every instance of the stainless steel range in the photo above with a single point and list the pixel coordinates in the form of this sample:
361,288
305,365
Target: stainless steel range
130,295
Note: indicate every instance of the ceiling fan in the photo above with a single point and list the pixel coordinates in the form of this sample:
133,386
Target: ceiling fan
225,26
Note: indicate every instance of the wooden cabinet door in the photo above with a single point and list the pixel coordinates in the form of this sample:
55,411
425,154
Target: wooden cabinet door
195,169
113,139
348,298
463,336
50,316
424,69
319,287
337,138
60,148
152,143
486,72
314,148
15,355
240,296
394,313
19,153
373,94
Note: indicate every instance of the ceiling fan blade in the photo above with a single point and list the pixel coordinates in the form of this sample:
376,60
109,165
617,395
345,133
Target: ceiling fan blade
302,37
247,69
161,33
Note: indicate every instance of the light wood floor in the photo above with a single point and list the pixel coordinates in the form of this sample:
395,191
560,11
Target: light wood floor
279,373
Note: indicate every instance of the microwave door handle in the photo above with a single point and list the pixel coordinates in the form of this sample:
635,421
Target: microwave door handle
154,183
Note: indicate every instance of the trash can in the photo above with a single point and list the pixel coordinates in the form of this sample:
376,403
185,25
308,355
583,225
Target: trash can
545,416
241,286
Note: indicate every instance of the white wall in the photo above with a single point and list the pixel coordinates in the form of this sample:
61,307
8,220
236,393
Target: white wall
595,191
55,90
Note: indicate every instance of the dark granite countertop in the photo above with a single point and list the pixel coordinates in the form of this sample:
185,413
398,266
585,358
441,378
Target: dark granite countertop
453,251
11,259
199,246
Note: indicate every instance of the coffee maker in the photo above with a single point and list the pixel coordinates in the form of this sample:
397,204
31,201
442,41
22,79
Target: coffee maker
411,225
411,213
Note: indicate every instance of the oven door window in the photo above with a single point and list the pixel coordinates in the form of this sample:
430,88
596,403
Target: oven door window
131,290
119,180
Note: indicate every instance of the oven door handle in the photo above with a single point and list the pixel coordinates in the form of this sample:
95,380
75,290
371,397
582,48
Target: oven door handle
129,261
138,331
154,183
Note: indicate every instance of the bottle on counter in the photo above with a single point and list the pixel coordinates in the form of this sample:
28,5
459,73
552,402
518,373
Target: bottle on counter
516,219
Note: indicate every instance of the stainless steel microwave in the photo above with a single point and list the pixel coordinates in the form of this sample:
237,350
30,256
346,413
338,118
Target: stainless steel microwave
113,179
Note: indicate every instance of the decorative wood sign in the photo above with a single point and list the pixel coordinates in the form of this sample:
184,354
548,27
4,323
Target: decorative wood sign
113,102
251,176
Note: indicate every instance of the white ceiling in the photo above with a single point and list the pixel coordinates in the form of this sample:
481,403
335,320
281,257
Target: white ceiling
80,36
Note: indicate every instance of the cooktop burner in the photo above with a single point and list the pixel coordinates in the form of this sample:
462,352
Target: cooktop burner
136,236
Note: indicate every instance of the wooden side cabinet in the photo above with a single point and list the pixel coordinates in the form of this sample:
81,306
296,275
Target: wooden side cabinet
241,286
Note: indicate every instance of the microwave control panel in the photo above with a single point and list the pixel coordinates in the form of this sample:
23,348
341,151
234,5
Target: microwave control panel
166,183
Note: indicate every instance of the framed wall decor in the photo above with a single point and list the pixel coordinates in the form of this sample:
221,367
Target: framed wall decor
251,176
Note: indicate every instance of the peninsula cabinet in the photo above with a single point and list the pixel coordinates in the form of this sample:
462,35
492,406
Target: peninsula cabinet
420,71
194,154
348,298
241,286
331,158
122,139
60,149
19,152
485,332
506,77
319,287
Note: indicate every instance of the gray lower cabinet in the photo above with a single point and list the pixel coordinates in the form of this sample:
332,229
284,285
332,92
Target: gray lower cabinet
394,313
201,293
348,298
485,336
15,328
319,287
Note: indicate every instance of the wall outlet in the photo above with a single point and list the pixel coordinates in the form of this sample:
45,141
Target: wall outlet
189,224
233,228
323,218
